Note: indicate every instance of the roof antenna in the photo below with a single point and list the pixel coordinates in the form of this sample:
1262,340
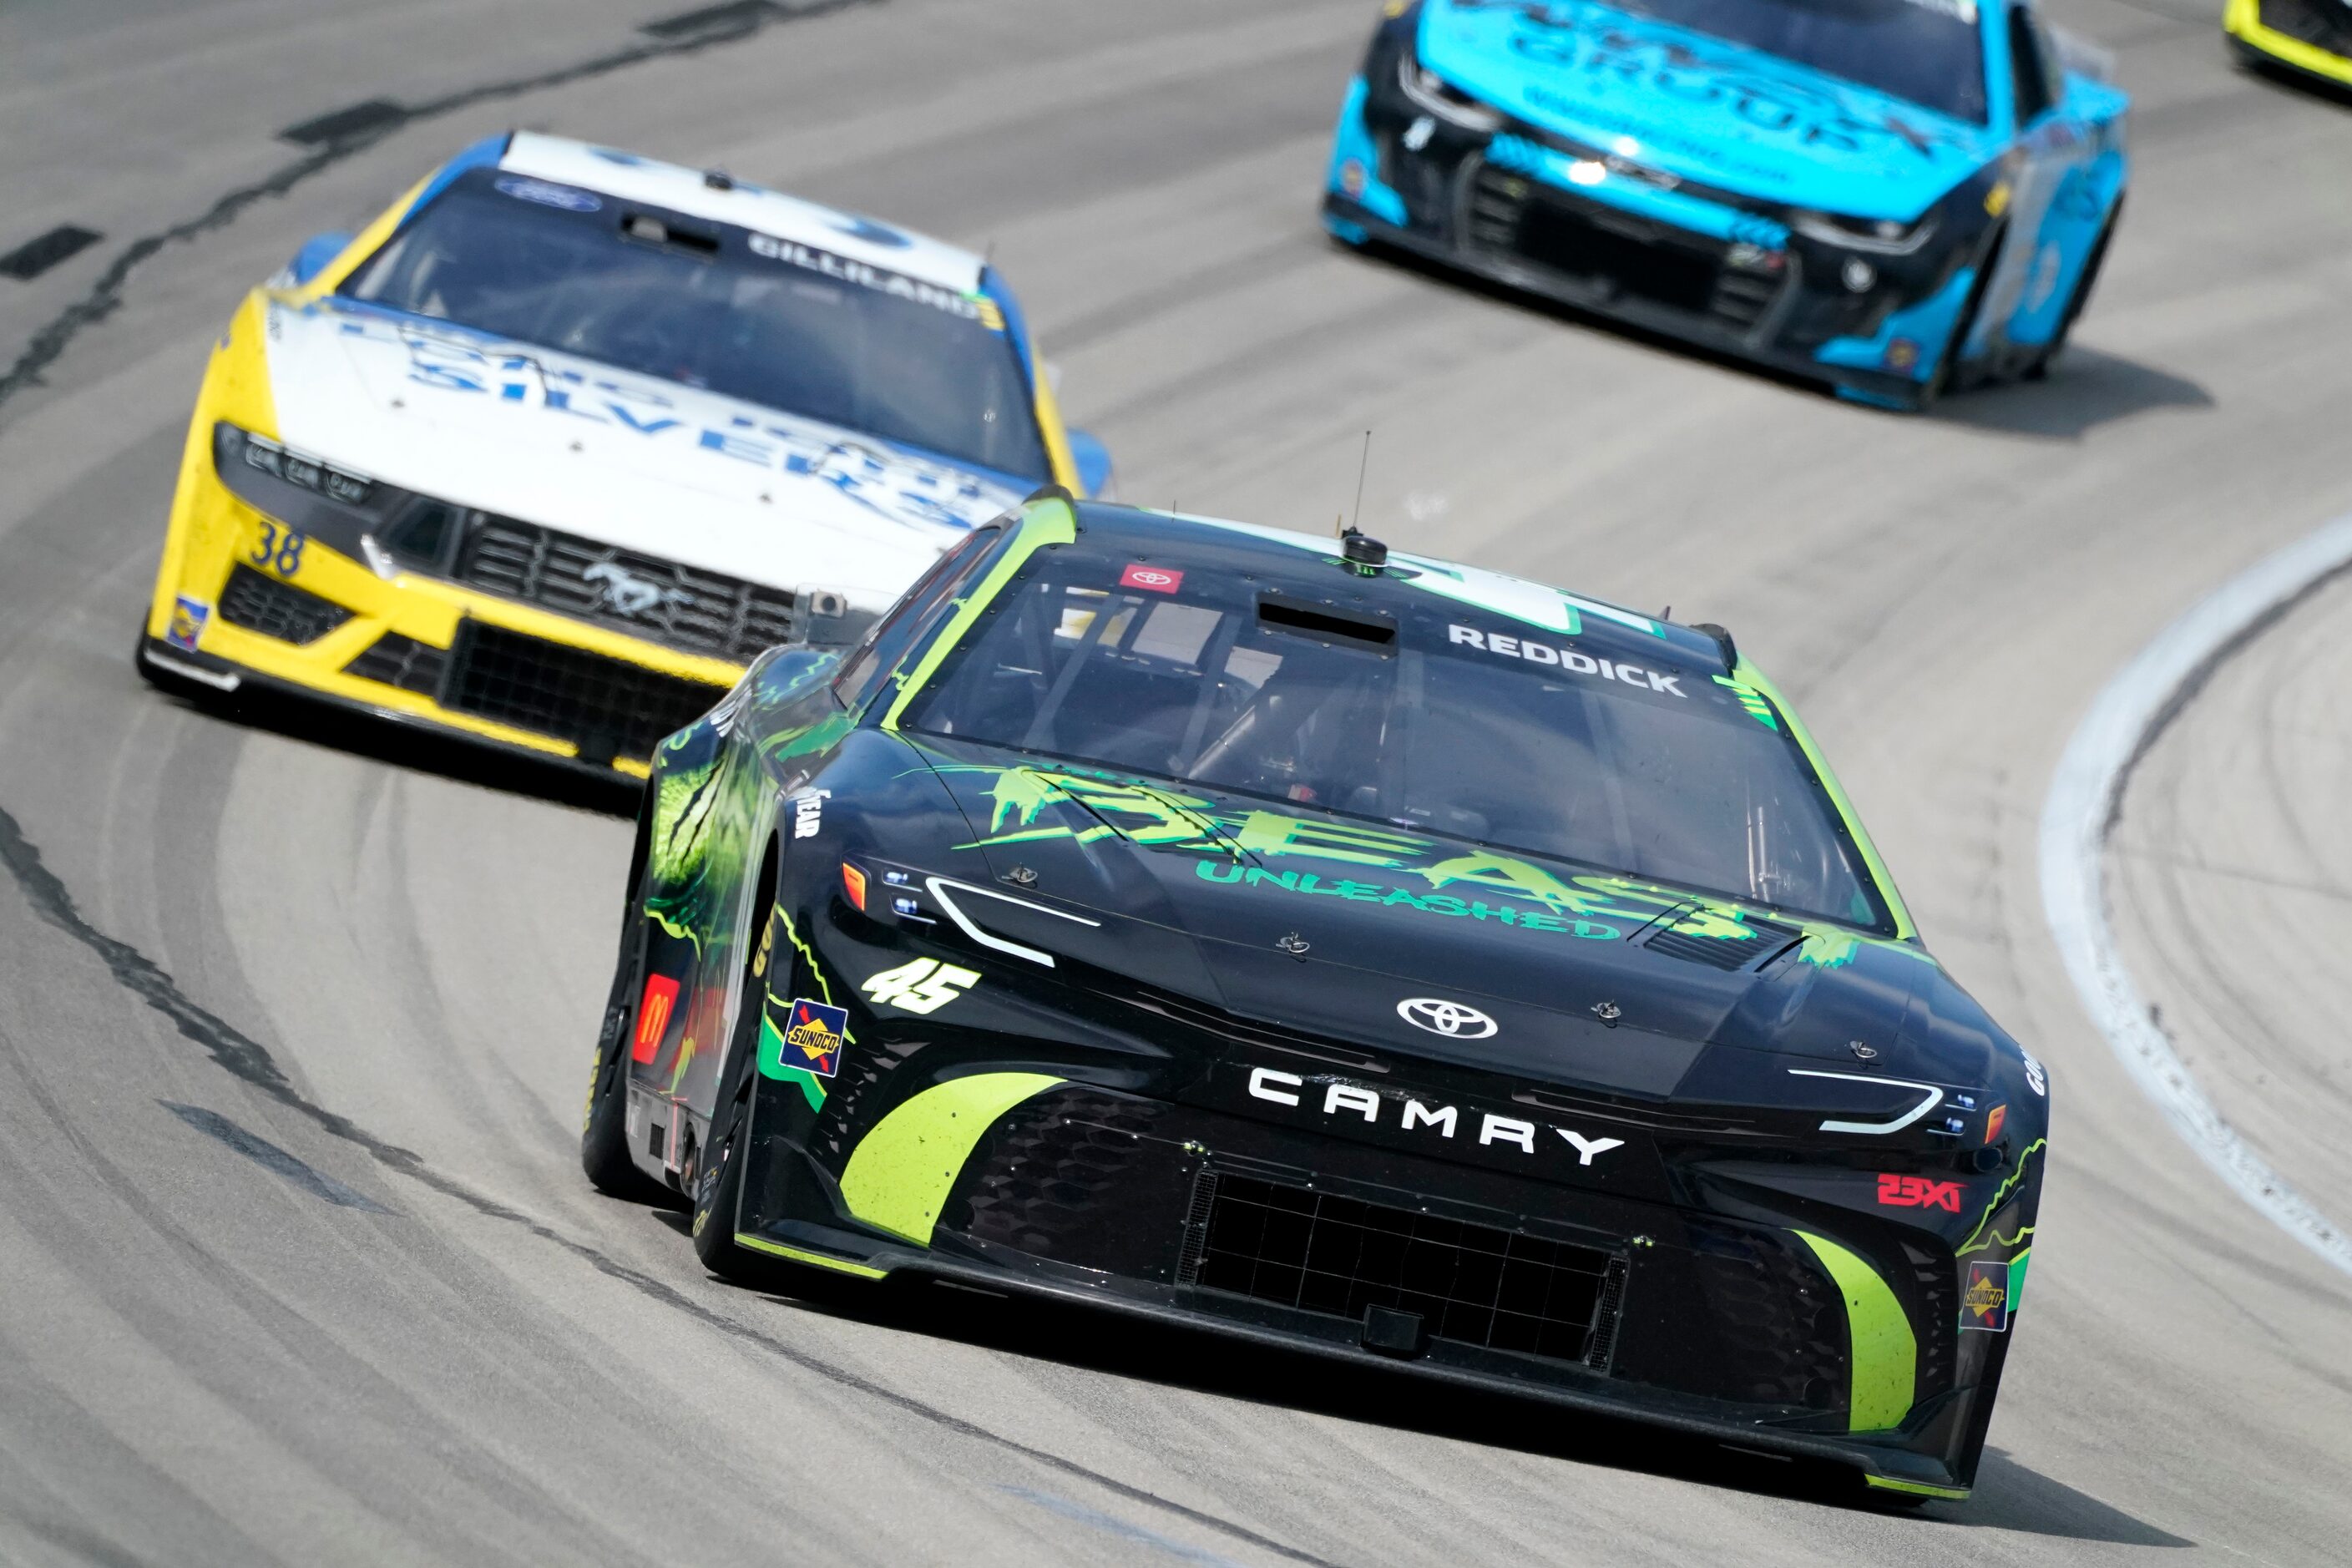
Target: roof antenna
1362,464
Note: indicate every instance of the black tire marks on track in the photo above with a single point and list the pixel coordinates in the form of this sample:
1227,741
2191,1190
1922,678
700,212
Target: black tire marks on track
250,1061
49,343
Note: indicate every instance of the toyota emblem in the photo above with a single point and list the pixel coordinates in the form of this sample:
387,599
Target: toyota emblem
1440,1016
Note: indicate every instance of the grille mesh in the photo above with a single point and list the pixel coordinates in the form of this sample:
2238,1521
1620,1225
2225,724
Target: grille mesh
1471,1283
608,707
1682,271
401,661
679,606
275,609
1049,1175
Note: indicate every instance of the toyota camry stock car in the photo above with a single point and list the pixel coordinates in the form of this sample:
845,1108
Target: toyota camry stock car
1338,949
2309,37
550,452
1895,196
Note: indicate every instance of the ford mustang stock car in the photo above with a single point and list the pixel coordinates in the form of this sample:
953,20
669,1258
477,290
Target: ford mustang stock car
566,437
2307,37
1120,922
1894,196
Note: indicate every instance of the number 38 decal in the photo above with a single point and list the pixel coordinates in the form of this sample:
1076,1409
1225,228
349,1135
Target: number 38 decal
925,986
280,549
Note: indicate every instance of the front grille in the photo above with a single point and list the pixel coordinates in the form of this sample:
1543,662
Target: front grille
275,609
1675,941
1780,1329
1676,268
404,662
608,707
1047,1177
679,606
1556,236
2325,24
1472,1284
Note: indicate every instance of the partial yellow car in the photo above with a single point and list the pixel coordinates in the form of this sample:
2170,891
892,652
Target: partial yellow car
2314,36
567,438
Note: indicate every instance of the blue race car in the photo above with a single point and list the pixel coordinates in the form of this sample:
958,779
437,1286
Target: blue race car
1896,197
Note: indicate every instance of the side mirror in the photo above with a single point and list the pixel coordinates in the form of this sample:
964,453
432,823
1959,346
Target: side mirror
1093,459
315,252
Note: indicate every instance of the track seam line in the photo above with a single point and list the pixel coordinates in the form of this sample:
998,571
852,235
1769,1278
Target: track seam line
2079,817
104,297
248,1060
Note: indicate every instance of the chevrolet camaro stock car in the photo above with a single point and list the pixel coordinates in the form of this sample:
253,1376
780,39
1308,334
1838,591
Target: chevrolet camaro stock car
549,453
1346,951
1894,196
2312,37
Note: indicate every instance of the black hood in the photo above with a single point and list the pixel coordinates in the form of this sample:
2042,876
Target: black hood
1587,979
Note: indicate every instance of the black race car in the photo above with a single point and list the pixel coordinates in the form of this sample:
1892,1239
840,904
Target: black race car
1339,949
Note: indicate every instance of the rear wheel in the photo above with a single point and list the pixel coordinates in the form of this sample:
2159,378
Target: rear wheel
604,1131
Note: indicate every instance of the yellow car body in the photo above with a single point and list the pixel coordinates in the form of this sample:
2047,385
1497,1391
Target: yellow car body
248,597
2314,36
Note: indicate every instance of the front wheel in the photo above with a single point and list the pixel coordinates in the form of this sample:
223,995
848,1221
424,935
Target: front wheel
718,1182
1947,360
2047,359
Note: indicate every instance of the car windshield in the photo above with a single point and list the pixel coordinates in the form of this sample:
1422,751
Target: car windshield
1927,52
781,325
1435,716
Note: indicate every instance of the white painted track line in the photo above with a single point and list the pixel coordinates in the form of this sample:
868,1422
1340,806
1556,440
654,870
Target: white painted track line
2085,797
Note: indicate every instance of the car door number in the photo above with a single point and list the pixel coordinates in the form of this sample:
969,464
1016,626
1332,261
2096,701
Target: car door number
924,985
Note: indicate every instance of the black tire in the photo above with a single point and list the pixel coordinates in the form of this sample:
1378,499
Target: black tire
604,1131
719,1175
2047,359
1947,360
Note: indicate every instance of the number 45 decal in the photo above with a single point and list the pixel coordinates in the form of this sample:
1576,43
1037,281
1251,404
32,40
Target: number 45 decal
925,986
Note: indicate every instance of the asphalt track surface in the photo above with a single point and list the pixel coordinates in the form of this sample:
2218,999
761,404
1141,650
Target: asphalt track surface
296,1263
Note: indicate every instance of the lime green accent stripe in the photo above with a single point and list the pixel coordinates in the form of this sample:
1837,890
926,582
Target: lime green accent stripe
1977,1241
761,1244
1051,520
1749,675
900,1173
1885,1353
2017,1280
1916,1489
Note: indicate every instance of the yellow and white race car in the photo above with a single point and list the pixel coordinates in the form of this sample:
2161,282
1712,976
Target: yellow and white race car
566,437
2313,38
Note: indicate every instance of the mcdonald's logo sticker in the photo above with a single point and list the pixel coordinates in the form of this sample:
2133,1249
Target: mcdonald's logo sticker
653,1016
